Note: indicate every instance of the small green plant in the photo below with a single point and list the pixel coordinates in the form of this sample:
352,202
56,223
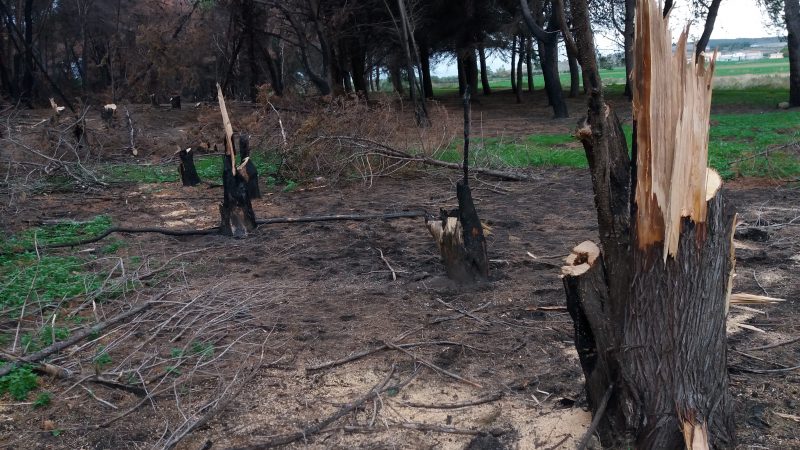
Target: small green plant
173,370
202,349
102,359
290,186
112,247
175,352
43,399
19,382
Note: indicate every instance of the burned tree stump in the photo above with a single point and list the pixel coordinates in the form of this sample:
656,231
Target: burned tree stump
175,102
186,168
108,114
247,169
236,211
649,304
459,233
153,100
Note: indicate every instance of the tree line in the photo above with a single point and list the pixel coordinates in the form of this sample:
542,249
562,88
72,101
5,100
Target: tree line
78,50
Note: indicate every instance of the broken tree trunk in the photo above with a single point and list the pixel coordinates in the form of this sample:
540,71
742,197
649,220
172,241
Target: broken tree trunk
650,303
247,169
459,233
175,102
186,168
236,211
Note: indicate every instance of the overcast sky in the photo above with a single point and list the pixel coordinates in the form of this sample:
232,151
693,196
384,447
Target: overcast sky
736,19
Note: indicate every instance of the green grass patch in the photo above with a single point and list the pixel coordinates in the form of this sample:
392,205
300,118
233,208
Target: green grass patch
18,383
45,278
208,168
535,150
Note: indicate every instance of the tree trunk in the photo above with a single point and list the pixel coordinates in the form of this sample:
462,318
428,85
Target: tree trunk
552,81
377,78
574,74
187,169
628,35
27,77
425,65
529,61
462,75
711,18
248,13
659,289
487,90
471,64
420,110
247,170
792,13
396,78
514,65
520,59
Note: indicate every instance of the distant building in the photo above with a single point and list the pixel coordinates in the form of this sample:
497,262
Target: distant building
776,55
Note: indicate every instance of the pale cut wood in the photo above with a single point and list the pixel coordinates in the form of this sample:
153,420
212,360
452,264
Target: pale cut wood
672,159
695,436
750,299
226,123
581,259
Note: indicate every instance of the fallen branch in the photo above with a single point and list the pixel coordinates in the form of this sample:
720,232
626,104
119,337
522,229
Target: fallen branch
765,371
479,401
316,428
363,353
385,150
75,338
215,230
777,344
598,415
433,366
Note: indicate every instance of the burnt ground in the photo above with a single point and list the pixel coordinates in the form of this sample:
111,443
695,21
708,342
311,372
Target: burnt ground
236,327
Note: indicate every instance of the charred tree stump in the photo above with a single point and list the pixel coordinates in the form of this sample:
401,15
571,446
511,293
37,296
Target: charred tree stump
186,168
649,304
175,102
247,169
153,100
108,114
236,211
459,233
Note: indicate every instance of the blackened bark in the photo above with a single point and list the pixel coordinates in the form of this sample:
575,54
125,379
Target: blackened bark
425,66
711,17
27,76
471,66
514,65
248,15
417,98
187,169
248,171
651,327
236,211
487,90
628,34
462,75
792,14
520,59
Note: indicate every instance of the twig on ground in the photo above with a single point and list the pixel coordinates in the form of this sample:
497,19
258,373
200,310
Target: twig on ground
433,366
394,275
316,428
75,338
765,371
777,344
479,401
598,415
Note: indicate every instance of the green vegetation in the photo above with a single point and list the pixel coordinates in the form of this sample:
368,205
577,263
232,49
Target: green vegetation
44,278
43,399
18,383
209,168
534,150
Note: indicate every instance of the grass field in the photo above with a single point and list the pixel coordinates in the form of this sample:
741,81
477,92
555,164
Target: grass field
760,144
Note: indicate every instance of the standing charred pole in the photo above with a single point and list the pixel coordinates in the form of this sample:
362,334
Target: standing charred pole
459,233
649,304
236,211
